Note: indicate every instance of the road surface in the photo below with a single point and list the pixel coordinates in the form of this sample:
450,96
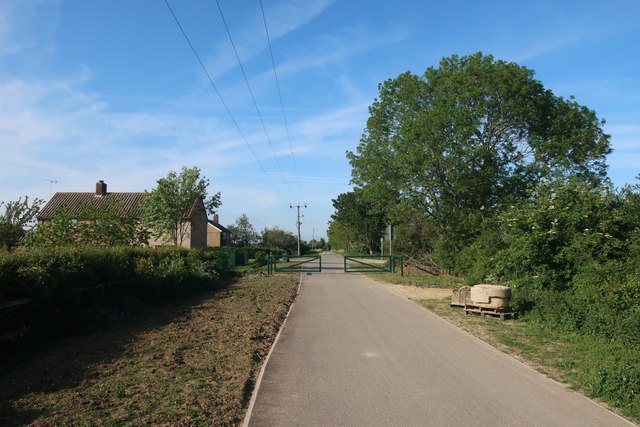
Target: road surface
354,353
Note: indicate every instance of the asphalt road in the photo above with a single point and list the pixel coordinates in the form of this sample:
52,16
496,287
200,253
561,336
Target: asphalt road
354,353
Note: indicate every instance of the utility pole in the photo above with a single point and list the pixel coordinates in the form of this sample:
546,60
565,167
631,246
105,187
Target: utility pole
313,239
298,222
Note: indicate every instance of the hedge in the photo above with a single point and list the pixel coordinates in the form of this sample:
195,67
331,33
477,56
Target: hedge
55,280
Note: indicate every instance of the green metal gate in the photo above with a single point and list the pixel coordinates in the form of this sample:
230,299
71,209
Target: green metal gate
373,264
294,264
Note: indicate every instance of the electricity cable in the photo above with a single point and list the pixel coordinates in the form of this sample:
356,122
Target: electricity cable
255,104
221,99
284,117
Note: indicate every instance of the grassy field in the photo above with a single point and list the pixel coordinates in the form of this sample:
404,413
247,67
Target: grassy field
575,360
193,363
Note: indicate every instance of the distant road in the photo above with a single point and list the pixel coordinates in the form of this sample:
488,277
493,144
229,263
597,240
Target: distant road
354,353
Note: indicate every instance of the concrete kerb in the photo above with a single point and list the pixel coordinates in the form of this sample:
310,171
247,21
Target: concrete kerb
254,394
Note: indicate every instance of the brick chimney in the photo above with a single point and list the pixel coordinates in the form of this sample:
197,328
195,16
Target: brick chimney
216,219
101,188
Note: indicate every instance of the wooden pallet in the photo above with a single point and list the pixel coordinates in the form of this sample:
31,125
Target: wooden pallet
488,311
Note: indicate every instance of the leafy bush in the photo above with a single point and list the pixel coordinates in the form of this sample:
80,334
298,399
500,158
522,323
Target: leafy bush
172,274
93,225
612,373
261,258
55,279
571,255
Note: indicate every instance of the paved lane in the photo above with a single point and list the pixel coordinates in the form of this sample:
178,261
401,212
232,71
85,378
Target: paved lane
354,353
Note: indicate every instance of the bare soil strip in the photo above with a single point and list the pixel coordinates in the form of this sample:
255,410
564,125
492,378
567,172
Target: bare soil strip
417,293
193,363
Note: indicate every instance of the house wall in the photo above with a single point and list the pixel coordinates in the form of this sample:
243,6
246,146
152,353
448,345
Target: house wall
153,242
198,235
214,236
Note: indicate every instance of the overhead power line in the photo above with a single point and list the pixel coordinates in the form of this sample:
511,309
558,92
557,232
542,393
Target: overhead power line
253,98
221,99
284,117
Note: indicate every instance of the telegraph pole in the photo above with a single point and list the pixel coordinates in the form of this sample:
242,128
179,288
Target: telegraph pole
298,222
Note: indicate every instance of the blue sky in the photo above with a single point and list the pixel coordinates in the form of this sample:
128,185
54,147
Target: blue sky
109,89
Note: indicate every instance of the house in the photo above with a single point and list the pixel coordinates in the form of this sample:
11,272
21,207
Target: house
126,204
217,235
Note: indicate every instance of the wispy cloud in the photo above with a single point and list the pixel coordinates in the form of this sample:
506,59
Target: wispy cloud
18,21
78,139
331,54
625,90
320,130
250,38
535,47
551,29
332,49
289,16
625,137
625,160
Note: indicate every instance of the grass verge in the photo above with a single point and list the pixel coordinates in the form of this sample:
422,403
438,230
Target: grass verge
193,363
592,366
428,281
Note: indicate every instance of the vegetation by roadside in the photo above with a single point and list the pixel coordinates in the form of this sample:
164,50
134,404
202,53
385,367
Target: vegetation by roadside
343,252
602,369
65,286
192,363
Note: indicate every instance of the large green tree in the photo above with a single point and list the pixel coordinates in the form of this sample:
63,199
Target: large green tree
275,237
355,212
167,207
464,140
16,219
341,236
242,232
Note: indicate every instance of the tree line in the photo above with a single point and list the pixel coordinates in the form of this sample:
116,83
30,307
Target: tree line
243,234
